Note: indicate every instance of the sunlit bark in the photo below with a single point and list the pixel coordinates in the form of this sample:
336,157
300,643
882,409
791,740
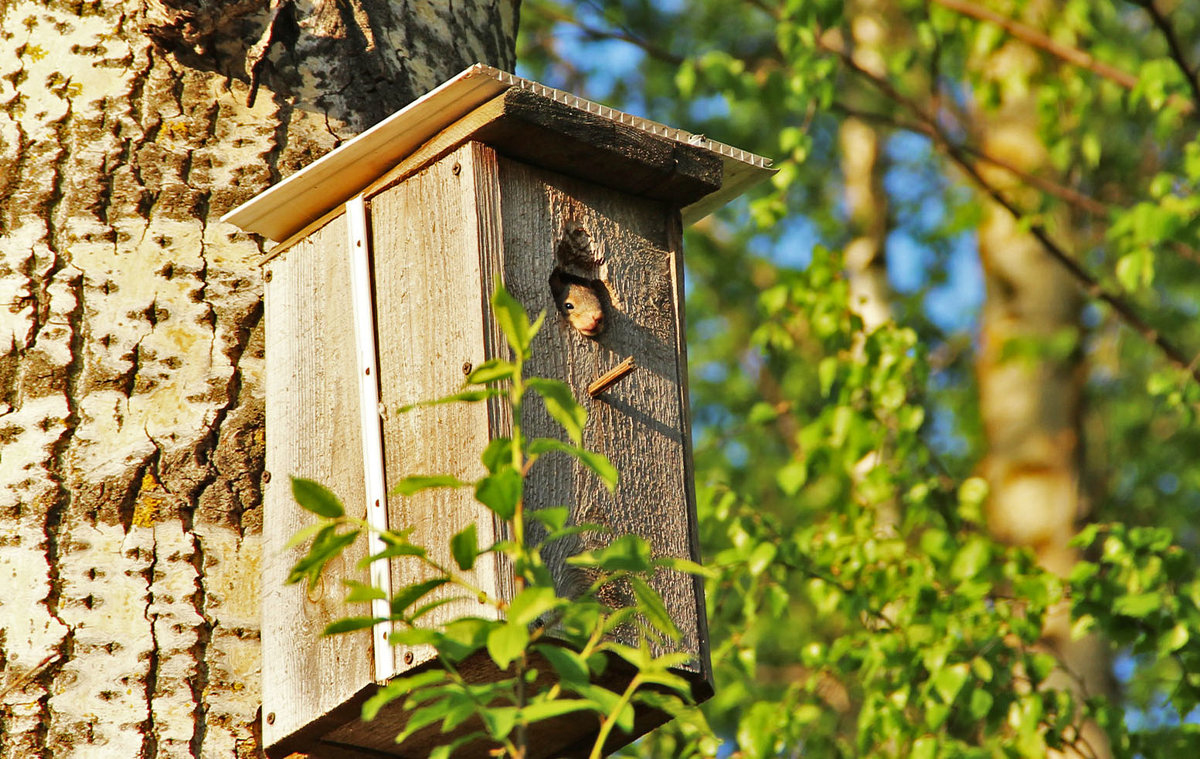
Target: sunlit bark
1031,372
131,382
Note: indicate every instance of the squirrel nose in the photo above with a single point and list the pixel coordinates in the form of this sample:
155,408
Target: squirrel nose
588,325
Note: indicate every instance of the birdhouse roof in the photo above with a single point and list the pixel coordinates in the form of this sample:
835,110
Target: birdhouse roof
287,207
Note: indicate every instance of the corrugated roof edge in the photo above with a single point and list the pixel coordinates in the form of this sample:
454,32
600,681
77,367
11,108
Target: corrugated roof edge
288,206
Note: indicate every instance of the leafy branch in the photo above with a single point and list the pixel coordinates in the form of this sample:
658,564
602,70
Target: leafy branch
574,636
1086,281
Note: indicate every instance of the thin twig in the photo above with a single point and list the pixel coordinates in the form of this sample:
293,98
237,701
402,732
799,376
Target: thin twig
622,34
1177,53
1031,36
1062,192
1084,279
1072,55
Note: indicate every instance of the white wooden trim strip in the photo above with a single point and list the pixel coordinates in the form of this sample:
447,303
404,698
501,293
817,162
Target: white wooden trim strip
372,433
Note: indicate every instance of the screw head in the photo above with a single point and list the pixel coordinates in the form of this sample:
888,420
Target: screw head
456,169
271,718
266,476
408,657
269,275
467,367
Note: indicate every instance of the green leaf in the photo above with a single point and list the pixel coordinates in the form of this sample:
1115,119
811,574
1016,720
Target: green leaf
826,373
360,592
306,533
507,642
424,717
446,750
1139,605
393,550
532,603
1175,639
514,321
499,720
561,404
554,518
628,553
570,666
556,708
651,606
980,704
465,636
757,730
948,681
761,558
465,396
464,547
924,747
418,482
687,566
410,594
792,476
597,462
415,636
315,497
326,546
1135,270
400,687
762,413
500,492
971,559
498,454
493,370
350,624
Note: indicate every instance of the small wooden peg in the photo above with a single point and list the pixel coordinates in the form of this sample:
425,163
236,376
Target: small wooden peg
611,377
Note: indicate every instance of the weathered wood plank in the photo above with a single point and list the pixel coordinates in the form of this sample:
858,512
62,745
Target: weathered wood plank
430,310
640,422
702,688
312,431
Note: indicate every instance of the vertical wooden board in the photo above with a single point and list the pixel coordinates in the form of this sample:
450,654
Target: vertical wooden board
430,299
675,245
312,431
640,423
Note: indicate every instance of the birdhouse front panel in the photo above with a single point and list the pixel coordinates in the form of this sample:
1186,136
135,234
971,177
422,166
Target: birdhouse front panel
617,255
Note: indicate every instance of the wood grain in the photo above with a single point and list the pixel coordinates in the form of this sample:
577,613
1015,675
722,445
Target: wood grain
312,431
430,314
641,422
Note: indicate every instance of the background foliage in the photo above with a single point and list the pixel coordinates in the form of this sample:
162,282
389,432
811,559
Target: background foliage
862,603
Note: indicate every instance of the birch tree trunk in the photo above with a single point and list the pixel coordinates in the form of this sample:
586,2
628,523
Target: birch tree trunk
131,379
863,166
1031,372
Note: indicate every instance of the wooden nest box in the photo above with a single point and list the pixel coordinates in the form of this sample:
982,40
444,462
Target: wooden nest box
378,296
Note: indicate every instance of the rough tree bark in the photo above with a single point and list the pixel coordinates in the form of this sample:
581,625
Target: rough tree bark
1030,377
131,377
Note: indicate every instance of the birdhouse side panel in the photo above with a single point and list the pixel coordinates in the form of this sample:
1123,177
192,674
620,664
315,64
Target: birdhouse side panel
312,422
432,300
561,233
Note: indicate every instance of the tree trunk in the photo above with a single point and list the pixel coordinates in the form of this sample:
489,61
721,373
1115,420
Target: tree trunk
862,172
1031,373
131,406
